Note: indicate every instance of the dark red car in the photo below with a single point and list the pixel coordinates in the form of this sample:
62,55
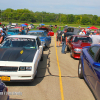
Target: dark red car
0,23
76,43
49,31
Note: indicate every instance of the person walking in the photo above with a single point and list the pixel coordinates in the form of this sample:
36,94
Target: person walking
58,36
64,40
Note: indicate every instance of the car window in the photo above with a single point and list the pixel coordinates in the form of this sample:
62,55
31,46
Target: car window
70,38
13,30
19,42
87,39
70,30
93,50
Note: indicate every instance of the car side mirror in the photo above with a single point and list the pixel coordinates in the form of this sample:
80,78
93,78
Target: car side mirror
97,65
40,46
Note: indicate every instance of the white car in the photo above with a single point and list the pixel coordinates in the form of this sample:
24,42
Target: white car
19,57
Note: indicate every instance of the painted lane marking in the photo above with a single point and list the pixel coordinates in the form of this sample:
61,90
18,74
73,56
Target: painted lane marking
60,79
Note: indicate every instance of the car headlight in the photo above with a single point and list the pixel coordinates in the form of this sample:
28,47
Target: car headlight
77,50
28,68
25,68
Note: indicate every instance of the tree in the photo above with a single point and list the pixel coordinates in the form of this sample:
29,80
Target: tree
98,21
94,20
85,20
70,18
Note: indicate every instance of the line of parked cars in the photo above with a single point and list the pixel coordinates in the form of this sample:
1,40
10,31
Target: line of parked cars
80,47
20,56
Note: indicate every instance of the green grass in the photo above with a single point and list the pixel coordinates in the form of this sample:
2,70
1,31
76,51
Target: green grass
58,25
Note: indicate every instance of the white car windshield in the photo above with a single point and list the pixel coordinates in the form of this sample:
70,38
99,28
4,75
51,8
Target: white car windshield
19,42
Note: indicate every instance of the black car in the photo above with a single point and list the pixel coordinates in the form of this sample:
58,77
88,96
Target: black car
71,31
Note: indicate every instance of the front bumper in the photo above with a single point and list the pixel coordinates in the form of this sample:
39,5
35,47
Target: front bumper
76,55
9,72
18,76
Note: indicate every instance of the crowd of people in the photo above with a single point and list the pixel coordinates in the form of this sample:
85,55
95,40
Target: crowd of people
61,37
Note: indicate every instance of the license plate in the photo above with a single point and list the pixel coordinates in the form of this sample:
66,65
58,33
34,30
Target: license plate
5,78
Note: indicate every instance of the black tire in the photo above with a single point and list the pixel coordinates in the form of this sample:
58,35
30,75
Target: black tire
68,48
41,57
80,70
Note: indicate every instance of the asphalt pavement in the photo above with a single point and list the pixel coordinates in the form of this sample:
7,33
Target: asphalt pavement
57,79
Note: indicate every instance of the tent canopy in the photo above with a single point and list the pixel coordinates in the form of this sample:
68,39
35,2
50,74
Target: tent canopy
92,27
23,25
26,24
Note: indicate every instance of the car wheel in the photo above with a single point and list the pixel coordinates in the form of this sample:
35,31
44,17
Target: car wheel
41,57
80,70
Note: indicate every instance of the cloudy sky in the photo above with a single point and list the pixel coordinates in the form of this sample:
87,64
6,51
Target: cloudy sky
55,6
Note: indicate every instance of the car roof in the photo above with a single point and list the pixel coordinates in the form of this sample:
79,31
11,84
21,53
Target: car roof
22,36
37,31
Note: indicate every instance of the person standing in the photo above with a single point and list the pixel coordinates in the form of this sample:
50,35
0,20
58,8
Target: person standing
58,36
82,32
96,38
64,40
95,32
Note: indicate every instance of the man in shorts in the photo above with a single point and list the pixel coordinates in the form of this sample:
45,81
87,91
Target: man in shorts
58,36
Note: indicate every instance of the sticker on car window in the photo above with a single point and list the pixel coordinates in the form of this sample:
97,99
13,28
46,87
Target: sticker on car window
21,52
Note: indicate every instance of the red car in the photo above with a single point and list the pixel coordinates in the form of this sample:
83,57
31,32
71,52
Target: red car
76,43
50,32
0,23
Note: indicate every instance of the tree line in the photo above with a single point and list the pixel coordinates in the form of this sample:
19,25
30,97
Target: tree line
25,15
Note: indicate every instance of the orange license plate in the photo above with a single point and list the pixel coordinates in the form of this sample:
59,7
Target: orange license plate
5,78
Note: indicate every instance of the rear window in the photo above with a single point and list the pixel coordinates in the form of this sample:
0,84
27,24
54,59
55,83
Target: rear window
88,39
70,30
